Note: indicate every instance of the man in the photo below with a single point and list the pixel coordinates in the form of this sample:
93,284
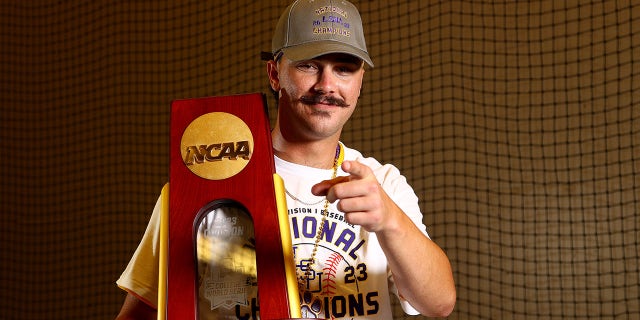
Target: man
377,242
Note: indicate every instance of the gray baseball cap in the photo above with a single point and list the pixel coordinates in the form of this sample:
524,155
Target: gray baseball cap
311,28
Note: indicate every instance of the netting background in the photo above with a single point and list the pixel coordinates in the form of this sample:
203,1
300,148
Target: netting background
517,123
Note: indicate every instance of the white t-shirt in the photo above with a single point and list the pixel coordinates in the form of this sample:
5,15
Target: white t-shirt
350,278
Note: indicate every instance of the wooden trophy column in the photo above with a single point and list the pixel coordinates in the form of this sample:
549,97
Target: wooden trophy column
226,232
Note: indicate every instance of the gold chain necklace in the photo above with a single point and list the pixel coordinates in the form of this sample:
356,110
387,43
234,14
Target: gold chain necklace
337,161
300,200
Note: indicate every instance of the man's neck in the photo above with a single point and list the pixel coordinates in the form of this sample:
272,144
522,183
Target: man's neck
317,154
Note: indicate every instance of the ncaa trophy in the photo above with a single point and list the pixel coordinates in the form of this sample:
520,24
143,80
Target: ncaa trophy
225,245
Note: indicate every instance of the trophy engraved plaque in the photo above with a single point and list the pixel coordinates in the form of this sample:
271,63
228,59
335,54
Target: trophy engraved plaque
225,243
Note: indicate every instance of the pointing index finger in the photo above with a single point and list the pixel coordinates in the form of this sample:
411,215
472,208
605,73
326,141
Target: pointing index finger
355,169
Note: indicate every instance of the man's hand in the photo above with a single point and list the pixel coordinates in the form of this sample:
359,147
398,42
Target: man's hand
360,196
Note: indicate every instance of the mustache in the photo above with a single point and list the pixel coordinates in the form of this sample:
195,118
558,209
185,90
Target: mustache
324,99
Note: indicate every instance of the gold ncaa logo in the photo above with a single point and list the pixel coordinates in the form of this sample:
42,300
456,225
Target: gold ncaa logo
216,145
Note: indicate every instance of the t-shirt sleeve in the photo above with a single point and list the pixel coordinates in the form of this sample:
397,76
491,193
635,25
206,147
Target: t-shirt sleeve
140,277
397,187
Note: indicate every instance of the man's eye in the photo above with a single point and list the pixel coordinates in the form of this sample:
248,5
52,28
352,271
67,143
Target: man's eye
307,67
346,69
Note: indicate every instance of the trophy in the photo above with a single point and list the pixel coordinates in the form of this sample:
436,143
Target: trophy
225,245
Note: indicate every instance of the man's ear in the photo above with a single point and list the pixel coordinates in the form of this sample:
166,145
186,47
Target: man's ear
272,72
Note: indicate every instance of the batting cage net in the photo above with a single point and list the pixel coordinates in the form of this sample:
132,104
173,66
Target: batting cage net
516,122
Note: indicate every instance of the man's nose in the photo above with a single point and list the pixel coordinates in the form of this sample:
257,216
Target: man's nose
326,82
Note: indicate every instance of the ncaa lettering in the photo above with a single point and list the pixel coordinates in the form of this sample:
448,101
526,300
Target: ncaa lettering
217,152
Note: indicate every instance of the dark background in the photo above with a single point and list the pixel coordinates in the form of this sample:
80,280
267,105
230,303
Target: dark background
517,123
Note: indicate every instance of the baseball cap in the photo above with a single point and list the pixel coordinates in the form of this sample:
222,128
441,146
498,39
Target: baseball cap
310,28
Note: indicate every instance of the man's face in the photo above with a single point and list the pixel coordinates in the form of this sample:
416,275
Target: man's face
317,96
